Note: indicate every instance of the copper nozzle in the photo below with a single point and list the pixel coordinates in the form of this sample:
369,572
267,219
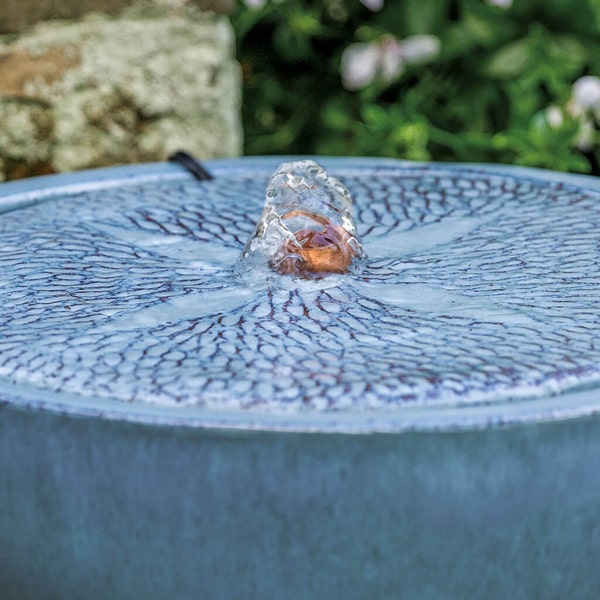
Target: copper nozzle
313,252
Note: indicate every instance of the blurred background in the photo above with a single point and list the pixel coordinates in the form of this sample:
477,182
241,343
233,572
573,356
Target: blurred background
448,80
501,81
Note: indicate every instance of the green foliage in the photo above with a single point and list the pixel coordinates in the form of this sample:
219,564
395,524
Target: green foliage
500,89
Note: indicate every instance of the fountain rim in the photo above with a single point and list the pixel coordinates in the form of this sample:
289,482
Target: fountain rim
34,190
577,403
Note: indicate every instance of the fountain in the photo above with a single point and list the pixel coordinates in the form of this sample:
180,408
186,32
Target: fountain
381,381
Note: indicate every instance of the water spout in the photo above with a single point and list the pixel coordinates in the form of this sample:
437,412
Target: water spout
306,228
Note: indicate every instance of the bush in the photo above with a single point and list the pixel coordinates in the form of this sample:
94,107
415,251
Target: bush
444,80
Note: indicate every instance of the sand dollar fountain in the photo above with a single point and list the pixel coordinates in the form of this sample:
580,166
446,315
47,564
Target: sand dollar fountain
329,377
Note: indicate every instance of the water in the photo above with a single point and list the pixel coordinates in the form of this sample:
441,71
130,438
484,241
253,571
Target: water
306,228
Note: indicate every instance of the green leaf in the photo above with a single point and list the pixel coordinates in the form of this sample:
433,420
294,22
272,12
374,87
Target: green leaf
424,16
510,61
374,115
336,114
483,30
568,52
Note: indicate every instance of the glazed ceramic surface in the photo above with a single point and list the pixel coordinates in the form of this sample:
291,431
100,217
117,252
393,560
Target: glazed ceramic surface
478,301
425,428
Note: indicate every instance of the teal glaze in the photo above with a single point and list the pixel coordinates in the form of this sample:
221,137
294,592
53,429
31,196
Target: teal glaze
109,509
108,499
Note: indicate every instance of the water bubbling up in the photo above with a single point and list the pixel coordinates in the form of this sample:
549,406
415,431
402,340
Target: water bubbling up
306,228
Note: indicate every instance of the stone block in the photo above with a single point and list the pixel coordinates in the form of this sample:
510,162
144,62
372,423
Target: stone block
101,91
17,15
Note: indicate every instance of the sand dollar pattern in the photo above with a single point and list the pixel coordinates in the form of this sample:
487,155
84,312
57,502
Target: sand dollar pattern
479,287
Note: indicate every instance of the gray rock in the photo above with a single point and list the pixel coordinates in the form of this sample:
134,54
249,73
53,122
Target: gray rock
102,91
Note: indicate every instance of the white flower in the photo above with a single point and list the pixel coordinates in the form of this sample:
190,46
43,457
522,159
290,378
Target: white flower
585,96
500,3
584,105
420,48
255,4
386,58
374,5
586,134
554,116
360,64
391,59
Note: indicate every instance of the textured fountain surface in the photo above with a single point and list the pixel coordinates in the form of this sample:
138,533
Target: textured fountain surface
481,286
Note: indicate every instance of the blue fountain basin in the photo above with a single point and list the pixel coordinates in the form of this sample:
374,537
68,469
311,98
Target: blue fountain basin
426,429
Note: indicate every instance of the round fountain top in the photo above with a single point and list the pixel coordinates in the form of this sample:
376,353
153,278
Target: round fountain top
479,302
